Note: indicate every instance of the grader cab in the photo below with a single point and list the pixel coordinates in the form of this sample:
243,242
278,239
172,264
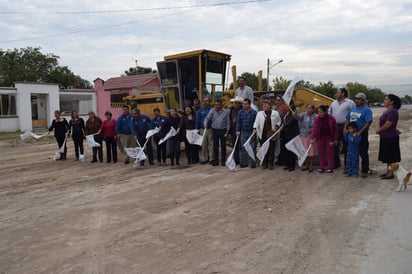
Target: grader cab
192,75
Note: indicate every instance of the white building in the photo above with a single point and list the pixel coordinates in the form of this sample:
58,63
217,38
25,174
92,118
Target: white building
32,105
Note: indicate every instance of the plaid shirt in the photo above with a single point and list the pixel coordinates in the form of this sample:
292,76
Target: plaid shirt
245,120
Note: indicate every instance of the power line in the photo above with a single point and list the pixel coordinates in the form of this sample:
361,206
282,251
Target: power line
137,10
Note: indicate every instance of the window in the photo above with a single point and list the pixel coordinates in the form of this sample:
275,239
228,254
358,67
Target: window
116,99
7,104
81,103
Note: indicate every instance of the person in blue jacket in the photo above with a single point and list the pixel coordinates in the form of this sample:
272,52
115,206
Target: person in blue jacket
160,121
123,132
352,153
139,125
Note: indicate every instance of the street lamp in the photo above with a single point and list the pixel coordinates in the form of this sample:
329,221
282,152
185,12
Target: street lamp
268,71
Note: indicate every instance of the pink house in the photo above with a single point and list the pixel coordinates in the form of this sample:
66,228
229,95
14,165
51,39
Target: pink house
111,92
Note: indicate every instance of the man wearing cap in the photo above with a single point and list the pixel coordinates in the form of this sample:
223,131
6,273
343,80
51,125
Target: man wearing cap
243,90
123,131
362,115
339,109
234,110
92,127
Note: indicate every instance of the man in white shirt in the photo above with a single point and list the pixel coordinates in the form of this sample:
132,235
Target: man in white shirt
243,90
339,109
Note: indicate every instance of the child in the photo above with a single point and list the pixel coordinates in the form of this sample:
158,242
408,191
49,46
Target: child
352,155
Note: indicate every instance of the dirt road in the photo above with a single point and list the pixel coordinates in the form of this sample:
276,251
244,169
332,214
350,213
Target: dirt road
68,217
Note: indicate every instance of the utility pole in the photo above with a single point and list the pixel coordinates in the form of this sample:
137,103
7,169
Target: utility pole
268,71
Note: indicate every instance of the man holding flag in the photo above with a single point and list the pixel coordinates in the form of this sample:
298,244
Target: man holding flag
159,121
244,128
140,125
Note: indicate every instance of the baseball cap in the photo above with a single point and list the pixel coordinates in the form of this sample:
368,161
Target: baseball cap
361,95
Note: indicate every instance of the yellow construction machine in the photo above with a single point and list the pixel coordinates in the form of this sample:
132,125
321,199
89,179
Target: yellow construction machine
202,73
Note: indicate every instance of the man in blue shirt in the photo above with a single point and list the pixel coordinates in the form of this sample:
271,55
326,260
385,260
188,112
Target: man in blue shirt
362,115
207,145
139,125
123,132
244,128
160,121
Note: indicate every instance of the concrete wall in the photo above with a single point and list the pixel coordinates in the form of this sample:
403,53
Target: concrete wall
23,101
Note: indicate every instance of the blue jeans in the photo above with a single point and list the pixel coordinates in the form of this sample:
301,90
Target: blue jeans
244,135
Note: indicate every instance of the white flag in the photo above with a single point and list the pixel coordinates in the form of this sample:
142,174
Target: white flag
248,147
295,145
28,134
289,91
136,153
193,137
61,150
91,142
152,132
170,134
230,162
265,147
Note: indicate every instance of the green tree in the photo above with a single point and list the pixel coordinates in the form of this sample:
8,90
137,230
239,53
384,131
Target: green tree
30,64
138,70
406,100
280,83
326,88
372,94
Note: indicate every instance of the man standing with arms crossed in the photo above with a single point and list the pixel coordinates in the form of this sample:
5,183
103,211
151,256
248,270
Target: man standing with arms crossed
207,144
362,115
339,109
243,90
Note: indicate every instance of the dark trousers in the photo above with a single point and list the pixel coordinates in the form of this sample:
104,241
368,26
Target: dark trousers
174,146
218,136
270,155
149,148
78,144
363,152
98,151
111,149
161,149
341,148
282,154
60,141
236,155
192,153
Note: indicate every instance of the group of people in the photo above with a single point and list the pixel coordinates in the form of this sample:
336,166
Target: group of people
325,131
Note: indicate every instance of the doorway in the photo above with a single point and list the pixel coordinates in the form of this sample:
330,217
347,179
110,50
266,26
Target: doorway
39,111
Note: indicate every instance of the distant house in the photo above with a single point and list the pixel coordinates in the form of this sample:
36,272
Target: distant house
111,92
32,105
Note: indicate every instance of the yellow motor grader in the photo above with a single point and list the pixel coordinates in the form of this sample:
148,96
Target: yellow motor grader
203,73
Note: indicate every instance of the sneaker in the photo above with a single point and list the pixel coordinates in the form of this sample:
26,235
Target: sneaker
321,170
329,171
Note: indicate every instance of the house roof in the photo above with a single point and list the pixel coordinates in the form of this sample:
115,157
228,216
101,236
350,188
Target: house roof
133,81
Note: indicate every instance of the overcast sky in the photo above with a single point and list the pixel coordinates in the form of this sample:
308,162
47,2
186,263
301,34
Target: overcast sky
338,40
